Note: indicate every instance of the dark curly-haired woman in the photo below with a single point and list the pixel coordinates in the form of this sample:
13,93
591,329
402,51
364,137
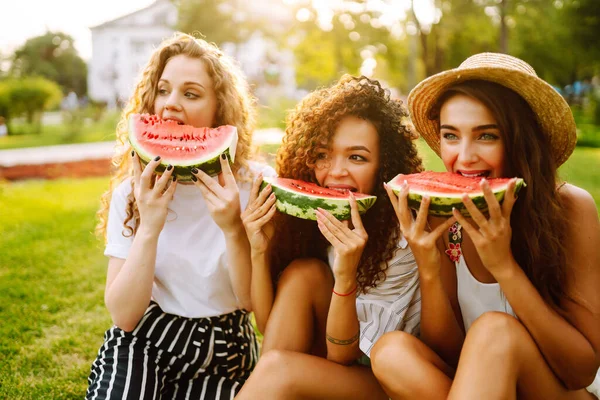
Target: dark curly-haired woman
324,292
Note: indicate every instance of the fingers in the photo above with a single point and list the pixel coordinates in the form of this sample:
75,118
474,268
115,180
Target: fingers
255,188
262,198
210,184
226,173
421,220
334,226
262,221
476,215
393,198
509,198
405,215
354,214
326,231
442,228
492,202
162,182
137,168
146,176
465,224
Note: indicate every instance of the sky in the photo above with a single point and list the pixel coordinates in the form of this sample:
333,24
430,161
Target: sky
75,17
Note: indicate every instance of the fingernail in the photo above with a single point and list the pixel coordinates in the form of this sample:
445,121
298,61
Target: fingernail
272,195
169,167
194,170
132,153
194,178
269,186
157,158
174,178
223,156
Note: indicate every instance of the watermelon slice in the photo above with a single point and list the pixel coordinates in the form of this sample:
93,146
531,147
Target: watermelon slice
183,146
301,199
445,190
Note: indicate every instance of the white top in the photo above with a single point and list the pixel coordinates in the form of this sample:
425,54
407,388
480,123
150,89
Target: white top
475,298
191,278
392,305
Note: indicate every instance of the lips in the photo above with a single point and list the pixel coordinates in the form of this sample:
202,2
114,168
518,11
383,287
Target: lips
474,174
180,122
342,188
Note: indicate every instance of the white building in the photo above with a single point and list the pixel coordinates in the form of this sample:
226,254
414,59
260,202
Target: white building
122,47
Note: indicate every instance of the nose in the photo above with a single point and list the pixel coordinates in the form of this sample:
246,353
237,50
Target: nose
172,103
338,167
468,153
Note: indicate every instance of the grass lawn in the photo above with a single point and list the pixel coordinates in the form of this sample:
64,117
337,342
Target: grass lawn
52,275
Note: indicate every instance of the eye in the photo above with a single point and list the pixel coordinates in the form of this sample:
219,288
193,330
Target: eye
449,136
357,157
191,95
489,136
322,155
162,92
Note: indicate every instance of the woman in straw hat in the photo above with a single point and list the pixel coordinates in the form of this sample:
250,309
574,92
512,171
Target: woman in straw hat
511,308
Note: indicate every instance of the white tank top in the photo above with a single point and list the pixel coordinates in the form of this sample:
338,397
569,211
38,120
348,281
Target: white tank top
476,298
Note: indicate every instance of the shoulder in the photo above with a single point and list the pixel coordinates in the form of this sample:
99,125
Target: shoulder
579,203
256,168
122,191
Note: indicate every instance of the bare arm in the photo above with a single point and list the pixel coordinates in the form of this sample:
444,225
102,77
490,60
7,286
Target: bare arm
441,320
223,202
342,332
259,228
441,324
570,339
129,282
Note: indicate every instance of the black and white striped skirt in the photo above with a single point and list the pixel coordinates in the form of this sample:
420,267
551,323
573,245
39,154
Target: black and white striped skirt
172,357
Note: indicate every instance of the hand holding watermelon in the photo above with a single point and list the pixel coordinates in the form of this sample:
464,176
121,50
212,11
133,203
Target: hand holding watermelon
348,243
421,241
491,236
258,215
222,196
152,200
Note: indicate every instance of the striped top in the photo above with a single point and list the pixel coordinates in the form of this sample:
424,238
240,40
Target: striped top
394,304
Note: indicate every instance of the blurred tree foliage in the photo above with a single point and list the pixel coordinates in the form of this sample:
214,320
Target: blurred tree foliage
28,96
557,37
54,57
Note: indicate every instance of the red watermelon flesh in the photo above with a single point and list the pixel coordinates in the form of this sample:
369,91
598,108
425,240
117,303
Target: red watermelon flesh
183,146
445,190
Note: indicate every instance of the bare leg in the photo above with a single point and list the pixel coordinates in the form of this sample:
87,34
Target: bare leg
500,360
408,369
299,315
289,375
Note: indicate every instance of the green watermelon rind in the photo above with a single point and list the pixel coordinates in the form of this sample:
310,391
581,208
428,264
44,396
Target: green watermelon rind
304,206
441,204
209,163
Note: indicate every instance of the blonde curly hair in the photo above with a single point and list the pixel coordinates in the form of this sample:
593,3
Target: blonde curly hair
312,123
235,106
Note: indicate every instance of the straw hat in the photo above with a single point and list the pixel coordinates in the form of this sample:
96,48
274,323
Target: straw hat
552,111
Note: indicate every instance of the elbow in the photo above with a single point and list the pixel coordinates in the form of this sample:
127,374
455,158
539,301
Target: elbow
582,377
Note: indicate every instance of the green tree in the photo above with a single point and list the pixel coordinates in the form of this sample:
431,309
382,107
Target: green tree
28,96
52,56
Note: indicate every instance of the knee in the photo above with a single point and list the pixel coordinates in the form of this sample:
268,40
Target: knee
496,333
391,353
276,367
308,273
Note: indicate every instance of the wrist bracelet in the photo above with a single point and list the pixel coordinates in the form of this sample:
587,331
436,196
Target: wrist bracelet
345,294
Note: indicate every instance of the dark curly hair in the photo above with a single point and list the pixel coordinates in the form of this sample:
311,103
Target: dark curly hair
312,123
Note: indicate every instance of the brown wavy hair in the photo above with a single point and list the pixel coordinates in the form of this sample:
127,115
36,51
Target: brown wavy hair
235,106
538,221
313,123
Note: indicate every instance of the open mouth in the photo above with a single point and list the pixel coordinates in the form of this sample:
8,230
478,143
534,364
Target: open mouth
342,189
179,122
475,174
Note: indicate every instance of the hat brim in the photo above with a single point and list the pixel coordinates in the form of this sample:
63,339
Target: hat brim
553,113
